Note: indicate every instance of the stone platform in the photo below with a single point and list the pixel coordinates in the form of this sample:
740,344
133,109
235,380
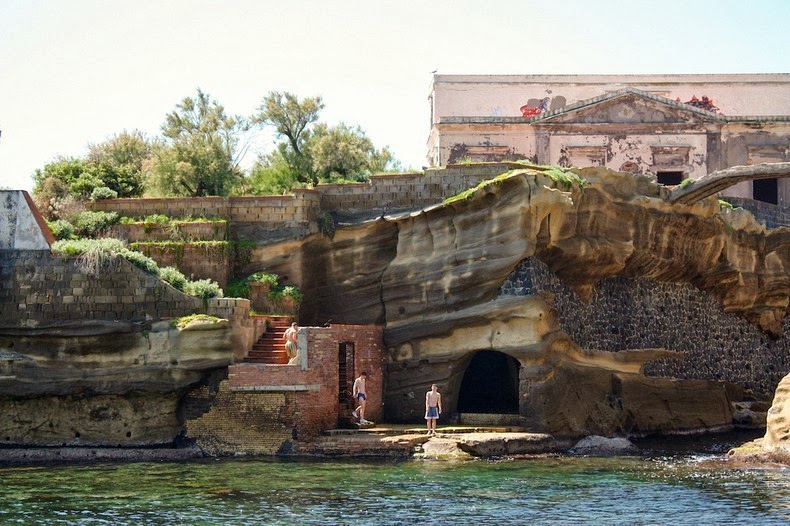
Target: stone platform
449,443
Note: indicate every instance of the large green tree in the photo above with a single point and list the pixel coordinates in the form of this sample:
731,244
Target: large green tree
311,152
120,161
201,150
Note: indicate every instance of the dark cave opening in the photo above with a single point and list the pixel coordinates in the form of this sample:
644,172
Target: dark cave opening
490,384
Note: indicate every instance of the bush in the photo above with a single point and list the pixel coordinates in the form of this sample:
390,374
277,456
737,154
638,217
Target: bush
75,247
203,289
103,192
174,277
61,229
292,292
140,260
238,288
263,277
91,224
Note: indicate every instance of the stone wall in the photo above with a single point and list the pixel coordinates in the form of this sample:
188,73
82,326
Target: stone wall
38,288
637,314
195,260
772,216
261,409
389,192
176,231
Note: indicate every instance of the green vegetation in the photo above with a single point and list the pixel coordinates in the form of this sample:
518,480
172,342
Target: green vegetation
61,229
725,205
310,152
95,255
183,321
560,176
240,288
199,153
686,182
174,277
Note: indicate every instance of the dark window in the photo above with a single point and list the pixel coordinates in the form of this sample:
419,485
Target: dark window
670,178
766,190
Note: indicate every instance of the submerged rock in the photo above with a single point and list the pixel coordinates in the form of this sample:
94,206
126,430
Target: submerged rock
603,446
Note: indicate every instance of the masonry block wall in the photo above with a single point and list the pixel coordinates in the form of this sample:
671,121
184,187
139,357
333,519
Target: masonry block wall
263,409
637,314
38,288
194,260
176,231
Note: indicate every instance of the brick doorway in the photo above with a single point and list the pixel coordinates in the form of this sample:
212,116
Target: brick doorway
345,379
490,384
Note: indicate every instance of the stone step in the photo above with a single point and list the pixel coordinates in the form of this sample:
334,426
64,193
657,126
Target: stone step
400,429
491,419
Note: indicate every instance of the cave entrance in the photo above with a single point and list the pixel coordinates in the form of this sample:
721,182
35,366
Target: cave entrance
490,384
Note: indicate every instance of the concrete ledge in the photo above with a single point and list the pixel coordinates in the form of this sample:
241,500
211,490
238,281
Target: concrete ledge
275,388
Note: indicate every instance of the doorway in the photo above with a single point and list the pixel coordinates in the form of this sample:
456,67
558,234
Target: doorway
490,384
345,375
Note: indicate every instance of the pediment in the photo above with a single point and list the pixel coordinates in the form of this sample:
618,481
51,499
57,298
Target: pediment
630,107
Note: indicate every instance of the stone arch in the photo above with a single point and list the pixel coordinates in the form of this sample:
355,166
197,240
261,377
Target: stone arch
490,384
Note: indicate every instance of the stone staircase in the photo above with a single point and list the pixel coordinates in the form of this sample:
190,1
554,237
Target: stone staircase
270,347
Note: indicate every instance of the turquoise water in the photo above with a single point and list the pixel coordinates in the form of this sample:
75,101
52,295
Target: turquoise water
561,490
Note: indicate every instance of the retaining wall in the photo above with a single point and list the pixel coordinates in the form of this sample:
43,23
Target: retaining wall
635,314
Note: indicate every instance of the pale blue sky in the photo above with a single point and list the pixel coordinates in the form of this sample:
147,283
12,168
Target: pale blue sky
75,72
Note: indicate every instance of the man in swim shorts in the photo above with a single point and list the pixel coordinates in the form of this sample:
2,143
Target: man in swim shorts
360,397
433,408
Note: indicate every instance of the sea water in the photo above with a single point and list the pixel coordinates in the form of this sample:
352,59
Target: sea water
651,489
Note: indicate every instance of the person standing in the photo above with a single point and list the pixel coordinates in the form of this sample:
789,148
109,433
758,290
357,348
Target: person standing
360,397
433,408
291,348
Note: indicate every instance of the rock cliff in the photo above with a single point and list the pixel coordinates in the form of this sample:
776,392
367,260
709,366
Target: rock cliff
432,278
94,383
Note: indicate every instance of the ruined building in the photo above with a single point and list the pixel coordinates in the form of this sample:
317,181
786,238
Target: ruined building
675,127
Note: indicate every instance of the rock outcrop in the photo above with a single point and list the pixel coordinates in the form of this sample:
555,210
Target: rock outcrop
103,383
433,279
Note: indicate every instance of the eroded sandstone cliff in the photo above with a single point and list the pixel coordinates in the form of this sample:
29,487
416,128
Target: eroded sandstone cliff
433,279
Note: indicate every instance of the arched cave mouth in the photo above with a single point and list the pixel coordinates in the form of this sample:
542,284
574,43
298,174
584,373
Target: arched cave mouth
490,384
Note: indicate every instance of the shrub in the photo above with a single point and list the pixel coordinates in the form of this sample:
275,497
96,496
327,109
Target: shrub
90,224
292,292
174,277
61,229
140,260
263,277
75,247
186,320
203,289
103,192
238,288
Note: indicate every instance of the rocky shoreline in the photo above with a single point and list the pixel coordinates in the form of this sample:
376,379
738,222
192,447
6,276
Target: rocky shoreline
450,444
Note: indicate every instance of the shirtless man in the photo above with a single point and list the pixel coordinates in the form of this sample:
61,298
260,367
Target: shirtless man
433,408
290,341
360,397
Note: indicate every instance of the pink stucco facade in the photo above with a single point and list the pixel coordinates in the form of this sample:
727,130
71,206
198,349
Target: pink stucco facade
673,126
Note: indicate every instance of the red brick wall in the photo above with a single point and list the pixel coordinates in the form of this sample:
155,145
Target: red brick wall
259,408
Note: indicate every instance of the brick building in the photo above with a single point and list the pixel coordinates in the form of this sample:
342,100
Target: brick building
673,126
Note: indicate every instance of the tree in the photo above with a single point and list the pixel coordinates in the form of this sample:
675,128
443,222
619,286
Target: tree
201,151
291,118
311,152
119,162
345,153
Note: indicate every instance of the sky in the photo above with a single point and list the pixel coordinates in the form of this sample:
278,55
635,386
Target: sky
77,72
